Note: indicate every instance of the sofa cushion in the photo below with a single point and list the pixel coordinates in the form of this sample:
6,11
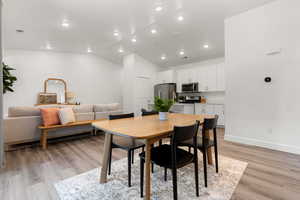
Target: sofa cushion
50,116
20,111
66,115
106,107
84,116
83,108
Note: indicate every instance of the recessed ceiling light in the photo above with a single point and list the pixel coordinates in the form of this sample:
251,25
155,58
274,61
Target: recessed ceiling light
205,46
158,8
48,46
153,31
133,40
121,50
65,24
116,34
181,52
163,57
180,18
89,50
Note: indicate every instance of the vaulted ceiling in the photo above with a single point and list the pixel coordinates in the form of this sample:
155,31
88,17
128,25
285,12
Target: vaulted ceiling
106,27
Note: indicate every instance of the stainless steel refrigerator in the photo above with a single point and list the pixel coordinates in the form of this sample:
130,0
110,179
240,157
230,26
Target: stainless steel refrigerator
165,91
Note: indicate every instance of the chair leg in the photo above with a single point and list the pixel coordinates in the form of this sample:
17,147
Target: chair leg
132,156
189,149
129,168
216,151
205,166
166,174
109,161
160,142
152,167
196,173
142,177
174,174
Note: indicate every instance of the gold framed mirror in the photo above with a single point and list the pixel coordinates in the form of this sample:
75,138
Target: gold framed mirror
57,86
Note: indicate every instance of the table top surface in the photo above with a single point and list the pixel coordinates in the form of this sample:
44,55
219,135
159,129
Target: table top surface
148,127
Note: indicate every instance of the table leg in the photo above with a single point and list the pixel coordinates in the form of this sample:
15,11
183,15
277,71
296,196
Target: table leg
107,143
44,139
148,170
209,151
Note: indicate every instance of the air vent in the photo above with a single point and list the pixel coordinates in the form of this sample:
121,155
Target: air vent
185,57
20,31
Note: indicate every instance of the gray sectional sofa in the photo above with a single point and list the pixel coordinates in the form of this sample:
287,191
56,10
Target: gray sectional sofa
21,124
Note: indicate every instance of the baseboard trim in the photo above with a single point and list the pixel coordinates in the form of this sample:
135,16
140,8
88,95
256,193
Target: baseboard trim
259,143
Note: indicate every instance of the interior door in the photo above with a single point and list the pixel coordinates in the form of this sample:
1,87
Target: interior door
143,94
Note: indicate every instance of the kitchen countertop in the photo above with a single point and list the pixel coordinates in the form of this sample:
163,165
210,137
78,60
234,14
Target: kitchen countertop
207,103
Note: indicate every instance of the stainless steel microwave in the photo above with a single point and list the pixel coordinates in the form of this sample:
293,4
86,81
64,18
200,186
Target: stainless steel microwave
190,87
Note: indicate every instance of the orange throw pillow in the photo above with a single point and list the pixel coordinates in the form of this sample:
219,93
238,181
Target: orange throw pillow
50,116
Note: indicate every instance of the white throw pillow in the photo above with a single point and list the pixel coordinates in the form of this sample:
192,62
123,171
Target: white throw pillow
66,115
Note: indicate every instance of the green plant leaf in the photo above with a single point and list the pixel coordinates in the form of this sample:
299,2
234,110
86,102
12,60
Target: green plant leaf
8,78
162,105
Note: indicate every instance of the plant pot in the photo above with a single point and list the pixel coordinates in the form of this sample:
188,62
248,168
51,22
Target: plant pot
163,115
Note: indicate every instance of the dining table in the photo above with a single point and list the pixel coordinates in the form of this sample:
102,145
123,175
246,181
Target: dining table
150,129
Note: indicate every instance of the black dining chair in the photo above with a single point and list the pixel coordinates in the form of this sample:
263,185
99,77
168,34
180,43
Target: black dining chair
172,157
124,143
204,143
146,112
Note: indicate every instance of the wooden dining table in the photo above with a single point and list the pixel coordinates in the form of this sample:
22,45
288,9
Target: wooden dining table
147,128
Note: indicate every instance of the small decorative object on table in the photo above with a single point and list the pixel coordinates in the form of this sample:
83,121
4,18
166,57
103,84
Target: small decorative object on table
163,106
47,98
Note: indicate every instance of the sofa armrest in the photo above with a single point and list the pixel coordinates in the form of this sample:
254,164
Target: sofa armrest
21,128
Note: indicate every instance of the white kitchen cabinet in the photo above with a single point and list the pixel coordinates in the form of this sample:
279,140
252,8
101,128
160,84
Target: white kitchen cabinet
219,110
165,77
221,77
211,109
188,109
186,76
207,78
199,108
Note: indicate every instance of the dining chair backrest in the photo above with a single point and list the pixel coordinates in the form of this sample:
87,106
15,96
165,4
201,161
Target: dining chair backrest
182,133
210,123
121,116
146,113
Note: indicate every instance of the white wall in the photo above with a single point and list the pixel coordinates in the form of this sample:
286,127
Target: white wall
91,78
259,113
138,79
2,159
212,97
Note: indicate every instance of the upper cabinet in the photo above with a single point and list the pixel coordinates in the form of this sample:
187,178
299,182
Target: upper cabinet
209,77
165,77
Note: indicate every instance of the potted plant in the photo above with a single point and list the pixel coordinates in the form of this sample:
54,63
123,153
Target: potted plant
8,78
163,106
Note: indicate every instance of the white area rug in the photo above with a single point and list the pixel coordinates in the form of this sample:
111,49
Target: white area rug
221,186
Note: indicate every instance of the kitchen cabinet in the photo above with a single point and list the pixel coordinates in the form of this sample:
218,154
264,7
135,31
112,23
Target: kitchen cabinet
188,109
165,77
210,77
219,110
207,78
211,109
185,76
183,108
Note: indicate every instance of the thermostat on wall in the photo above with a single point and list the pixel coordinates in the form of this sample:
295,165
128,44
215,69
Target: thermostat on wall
273,52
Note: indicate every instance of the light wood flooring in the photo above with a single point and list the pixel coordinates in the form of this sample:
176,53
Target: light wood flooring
30,172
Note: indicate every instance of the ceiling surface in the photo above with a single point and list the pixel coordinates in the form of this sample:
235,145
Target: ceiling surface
92,24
